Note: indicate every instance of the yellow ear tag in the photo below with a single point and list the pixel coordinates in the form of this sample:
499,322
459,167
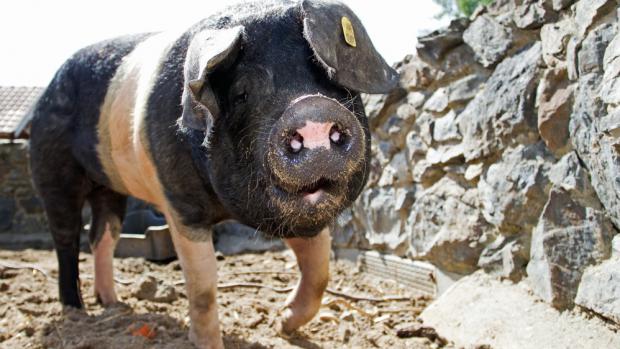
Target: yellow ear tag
347,29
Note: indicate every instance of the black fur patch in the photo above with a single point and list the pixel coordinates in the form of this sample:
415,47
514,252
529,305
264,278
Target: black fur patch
181,160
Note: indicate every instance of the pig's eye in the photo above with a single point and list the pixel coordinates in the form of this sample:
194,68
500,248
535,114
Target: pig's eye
240,98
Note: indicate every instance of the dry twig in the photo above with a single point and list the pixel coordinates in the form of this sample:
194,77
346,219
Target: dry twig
329,290
249,272
12,265
116,279
112,317
255,285
350,307
367,299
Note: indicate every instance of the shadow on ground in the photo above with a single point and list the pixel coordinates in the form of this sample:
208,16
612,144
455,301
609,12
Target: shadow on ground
121,327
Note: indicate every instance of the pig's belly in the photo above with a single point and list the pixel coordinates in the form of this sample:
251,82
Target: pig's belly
123,146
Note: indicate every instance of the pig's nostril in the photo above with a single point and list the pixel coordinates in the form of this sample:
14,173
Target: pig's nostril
335,135
296,142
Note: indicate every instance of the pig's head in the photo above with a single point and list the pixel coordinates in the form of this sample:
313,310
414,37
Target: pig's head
277,99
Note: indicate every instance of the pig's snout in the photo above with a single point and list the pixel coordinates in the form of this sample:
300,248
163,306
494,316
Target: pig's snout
315,145
317,134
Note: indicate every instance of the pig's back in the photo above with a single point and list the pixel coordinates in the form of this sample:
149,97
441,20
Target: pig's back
66,116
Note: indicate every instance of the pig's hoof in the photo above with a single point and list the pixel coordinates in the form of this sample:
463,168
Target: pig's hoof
290,322
204,343
72,312
280,330
106,299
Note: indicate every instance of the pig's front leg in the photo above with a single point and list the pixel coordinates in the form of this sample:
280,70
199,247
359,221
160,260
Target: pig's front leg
313,260
197,258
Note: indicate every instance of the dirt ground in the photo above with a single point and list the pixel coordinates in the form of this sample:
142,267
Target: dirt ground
154,309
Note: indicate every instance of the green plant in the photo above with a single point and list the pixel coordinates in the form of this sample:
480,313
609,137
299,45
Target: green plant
455,8
467,7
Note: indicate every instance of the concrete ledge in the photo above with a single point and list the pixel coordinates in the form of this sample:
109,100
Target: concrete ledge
155,244
480,309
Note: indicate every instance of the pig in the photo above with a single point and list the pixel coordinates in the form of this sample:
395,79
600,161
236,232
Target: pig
252,114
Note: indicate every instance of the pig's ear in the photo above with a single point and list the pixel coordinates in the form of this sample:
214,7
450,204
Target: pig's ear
209,50
342,46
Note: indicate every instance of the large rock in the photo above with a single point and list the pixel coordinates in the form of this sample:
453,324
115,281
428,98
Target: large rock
513,191
503,112
426,173
500,7
394,127
506,257
591,55
488,39
569,175
448,154
588,12
415,74
424,127
558,5
532,14
554,38
595,134
558,259
396,173
610,90
381,213
379,107
415,146
568,238
434,46
446,228
458,63
381,153
455,94
599,290
587,43
554,100
479,311
446,128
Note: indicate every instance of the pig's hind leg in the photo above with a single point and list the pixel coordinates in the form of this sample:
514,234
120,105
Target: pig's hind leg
63,187
108,208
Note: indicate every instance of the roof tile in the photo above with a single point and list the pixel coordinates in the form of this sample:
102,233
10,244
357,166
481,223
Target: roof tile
15,103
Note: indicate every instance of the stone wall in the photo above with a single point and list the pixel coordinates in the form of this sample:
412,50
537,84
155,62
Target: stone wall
501,151
21,211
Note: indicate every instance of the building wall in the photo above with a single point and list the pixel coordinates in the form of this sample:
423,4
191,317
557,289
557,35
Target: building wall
21,211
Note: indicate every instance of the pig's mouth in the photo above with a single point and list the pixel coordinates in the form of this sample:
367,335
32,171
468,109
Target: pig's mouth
323,199
306,209
314,193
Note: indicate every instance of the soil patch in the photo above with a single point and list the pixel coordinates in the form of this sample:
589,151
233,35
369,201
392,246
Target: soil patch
154,309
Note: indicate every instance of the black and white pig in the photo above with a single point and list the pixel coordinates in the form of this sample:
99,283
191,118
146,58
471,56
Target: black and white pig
252,114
